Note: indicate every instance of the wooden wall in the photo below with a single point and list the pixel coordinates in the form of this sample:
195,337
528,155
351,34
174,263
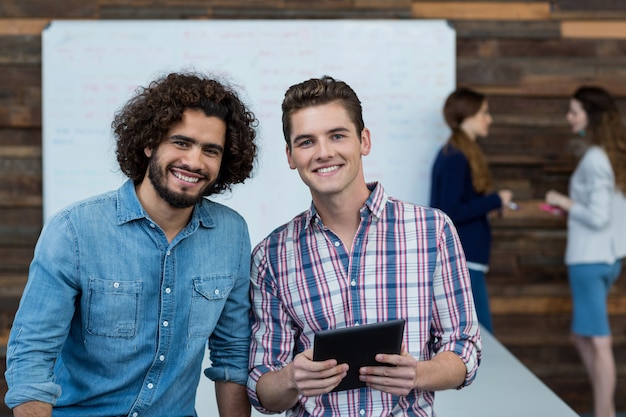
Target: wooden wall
528,56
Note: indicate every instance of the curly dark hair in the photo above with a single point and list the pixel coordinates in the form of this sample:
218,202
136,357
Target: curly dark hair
147,117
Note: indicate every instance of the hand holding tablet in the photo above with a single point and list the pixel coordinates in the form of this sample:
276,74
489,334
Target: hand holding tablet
358,346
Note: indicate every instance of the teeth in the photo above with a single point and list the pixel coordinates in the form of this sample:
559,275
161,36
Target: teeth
328,169
185,178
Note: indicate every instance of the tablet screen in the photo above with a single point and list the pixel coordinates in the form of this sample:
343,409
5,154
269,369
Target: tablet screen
357,346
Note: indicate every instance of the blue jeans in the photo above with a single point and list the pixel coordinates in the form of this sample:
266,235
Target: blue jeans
481,299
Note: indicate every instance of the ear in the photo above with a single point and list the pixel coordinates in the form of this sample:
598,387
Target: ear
148,152
366,142
292,165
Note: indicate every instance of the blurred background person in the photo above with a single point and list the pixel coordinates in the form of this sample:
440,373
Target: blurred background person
596,234
462,188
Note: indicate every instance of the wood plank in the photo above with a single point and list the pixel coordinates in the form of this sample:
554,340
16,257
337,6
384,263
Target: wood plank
557,106
20,96
19,234
547,305
12,201
481,10
27,220
26,152
383,4
25,26
20,185
307,12
68,9
559,289
540,48
541,120
541,77
20,49
132,11
594,29
11,286
482,1
14,260
272,4
586,5
530,305
20,137
538,29
20,116
318,4
556,338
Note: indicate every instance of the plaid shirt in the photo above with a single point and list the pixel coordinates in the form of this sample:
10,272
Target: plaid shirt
406,262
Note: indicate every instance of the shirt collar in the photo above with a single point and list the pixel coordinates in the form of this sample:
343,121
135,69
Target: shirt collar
129,208
375,204
376,201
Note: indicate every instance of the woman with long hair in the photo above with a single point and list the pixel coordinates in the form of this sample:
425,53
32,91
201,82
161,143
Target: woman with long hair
462,188
596,234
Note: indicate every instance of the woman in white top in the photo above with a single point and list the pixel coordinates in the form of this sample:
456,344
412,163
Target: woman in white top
596,240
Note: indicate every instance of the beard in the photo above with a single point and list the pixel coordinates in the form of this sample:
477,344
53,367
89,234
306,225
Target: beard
175,199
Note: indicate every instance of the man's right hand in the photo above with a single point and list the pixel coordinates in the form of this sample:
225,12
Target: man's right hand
33,409
315,378
280,390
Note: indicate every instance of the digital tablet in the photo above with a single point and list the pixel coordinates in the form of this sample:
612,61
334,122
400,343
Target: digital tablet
358,346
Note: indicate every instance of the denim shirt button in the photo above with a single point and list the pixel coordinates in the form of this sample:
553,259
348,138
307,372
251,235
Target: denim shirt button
337,243
135,414
150,385
152,225
116,285
166,323
162,358
168,290
217,291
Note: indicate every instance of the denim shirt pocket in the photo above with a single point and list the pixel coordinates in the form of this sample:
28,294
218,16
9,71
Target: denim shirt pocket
208,297
113,308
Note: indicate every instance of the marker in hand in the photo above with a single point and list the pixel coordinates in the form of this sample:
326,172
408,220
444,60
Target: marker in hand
513,206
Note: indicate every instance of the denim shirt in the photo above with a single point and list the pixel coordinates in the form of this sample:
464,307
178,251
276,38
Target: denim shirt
114,320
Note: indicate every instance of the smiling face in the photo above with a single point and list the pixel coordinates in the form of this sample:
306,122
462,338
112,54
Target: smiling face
577,116
478,124
187,162
326,150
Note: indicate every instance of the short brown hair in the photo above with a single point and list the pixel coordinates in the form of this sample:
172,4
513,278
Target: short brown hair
318,91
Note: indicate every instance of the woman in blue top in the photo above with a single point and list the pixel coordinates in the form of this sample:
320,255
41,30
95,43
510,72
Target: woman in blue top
596,234
462,188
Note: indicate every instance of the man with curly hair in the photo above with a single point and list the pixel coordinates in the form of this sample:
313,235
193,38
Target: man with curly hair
126,288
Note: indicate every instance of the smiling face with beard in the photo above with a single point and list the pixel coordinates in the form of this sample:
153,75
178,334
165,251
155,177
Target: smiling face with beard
187,163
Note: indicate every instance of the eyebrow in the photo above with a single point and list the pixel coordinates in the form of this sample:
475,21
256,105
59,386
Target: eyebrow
331,131
193,141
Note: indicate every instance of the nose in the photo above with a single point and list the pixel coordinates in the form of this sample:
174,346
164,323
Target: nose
193,157
325,149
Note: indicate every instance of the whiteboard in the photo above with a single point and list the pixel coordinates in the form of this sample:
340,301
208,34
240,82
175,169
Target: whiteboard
401,70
